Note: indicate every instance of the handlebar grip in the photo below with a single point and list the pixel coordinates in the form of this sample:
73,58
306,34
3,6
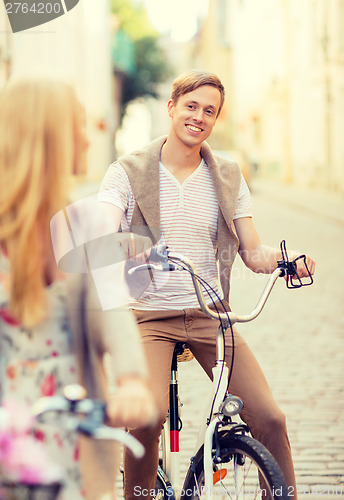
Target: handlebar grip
117,434
58,404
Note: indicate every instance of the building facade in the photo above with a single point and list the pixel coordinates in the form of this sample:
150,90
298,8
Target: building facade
76,48
285,65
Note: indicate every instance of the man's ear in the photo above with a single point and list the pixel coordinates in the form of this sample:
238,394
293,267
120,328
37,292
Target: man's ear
170,107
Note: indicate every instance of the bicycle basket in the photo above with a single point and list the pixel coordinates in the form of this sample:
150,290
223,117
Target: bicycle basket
18,491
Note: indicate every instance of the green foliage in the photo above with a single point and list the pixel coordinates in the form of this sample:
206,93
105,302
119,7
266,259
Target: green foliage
137,54
132,18
151,66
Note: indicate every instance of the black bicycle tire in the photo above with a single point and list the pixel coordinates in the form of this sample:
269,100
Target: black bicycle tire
160,489
163,487
243,445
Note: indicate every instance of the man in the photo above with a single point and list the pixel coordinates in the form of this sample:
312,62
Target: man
201,206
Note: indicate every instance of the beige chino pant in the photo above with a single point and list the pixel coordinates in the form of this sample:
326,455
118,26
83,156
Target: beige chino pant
160,330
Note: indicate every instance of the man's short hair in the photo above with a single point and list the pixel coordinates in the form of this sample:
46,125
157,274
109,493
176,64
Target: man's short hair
192,80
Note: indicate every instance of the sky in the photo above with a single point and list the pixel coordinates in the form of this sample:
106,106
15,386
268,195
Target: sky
178,18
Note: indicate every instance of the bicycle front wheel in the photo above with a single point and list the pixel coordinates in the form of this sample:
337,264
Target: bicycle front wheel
246,470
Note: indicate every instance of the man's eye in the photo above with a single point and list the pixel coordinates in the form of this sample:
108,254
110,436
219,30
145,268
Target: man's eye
210,111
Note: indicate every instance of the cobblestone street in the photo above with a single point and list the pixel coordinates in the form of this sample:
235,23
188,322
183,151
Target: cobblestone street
298,339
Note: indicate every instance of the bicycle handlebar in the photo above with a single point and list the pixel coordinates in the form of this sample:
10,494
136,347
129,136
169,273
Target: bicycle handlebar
228,317
161,259
86,417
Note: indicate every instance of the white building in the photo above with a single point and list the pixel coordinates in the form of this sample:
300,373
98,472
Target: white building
288,87
75,46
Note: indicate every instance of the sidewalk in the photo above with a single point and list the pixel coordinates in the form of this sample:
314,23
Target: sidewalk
325,204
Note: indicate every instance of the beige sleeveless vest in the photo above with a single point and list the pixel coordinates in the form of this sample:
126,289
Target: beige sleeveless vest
142,168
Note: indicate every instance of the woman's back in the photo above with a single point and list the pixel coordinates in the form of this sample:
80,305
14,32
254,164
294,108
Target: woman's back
36,362
42,144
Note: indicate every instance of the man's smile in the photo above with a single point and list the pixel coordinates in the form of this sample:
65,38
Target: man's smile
193,128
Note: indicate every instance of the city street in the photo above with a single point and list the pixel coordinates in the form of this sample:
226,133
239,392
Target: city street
298,339
269,78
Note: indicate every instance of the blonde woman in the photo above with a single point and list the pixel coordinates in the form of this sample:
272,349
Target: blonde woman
42,142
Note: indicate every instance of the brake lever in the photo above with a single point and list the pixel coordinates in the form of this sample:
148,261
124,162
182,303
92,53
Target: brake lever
157,260
162,266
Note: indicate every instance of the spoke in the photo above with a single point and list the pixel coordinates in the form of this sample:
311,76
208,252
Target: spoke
228,493
238,475
196,483
239,482
246,471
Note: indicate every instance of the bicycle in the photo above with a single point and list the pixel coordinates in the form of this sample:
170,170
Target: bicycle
228,462
78,414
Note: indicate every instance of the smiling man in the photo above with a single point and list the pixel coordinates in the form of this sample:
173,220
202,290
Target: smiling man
199,205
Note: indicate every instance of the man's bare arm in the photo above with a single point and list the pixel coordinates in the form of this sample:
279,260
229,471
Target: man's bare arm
262,258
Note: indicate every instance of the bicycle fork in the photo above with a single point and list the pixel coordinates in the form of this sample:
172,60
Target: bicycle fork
220,379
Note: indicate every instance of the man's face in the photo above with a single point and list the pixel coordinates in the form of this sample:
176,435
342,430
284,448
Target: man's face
194,114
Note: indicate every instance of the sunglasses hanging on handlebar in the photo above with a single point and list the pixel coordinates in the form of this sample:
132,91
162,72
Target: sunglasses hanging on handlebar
289,269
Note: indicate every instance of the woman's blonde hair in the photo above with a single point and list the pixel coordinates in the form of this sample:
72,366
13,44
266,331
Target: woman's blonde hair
40,147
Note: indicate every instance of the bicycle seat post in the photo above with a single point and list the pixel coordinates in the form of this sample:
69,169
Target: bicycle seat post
174,422
173,464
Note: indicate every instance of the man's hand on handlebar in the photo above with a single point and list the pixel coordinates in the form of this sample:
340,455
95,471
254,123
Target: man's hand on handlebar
301,264
294,267
135,246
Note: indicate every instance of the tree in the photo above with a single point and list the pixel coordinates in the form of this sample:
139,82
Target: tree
132,18
140,62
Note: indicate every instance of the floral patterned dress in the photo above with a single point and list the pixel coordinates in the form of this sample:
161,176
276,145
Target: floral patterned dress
39,362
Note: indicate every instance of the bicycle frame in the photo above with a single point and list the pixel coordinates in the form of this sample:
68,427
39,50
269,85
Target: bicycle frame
170,436
218,403
219,387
